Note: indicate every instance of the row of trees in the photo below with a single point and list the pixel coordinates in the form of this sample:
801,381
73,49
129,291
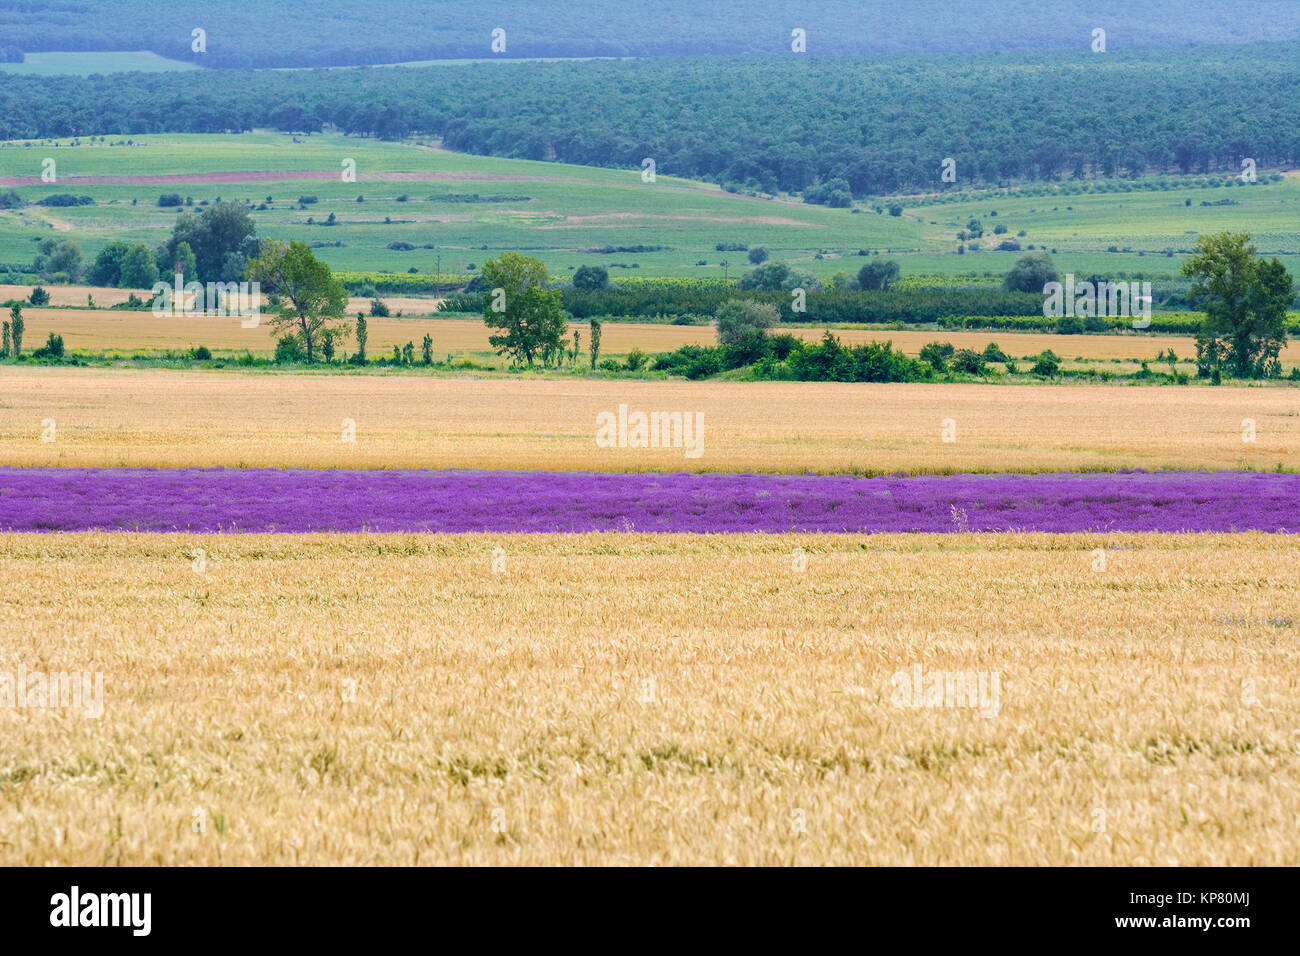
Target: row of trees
213,246
758,124
280,33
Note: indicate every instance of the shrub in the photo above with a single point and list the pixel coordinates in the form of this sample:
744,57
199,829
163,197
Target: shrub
53,347
378,308
610,365
1047,366
289,350
1069,325
636,359
737,319
203,353
39,297
170,199
758,255
937,355
994,354
969,361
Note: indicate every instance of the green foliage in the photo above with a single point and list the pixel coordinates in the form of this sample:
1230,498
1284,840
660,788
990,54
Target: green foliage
378,308
313,299
362,335
289,350
1047,366
830,361
1030,273
590,277
528,316
968,361
222,230
993,354
16,326
736,319
937,355
594,345
107,269
39,297
878,275
1245,300
139,270
52,349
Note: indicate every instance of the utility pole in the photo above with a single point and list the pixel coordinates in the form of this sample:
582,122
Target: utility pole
724,270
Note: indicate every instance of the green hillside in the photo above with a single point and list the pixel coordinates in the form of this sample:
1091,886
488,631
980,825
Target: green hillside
469,208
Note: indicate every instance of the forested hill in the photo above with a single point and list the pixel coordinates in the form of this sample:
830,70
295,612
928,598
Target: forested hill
270,33
880,126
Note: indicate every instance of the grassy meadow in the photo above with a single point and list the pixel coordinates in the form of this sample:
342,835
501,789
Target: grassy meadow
369,699
558,212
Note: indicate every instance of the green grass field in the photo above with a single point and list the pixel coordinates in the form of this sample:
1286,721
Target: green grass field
560,212
86,64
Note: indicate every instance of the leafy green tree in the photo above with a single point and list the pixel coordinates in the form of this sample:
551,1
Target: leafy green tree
16,328
1031,273
1245,300
590,277
169,257
4,349
426,349
758,255
39,297
594,345
312,299
221,229
529,316
878,275
55,256
138,270
107,269
768,277
737,320
362,335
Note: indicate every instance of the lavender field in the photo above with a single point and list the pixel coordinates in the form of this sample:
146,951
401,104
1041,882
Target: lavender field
306,500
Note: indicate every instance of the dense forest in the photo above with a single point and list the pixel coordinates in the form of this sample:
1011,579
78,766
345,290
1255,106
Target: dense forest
281,33
879,126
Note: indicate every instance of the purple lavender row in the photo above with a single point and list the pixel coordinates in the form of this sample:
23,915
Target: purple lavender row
306,500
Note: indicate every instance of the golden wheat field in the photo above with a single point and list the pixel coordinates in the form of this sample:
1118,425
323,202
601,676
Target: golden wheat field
172,418
642,699
100,331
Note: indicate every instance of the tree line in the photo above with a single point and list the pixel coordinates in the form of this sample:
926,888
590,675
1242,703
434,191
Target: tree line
289,33
828,125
